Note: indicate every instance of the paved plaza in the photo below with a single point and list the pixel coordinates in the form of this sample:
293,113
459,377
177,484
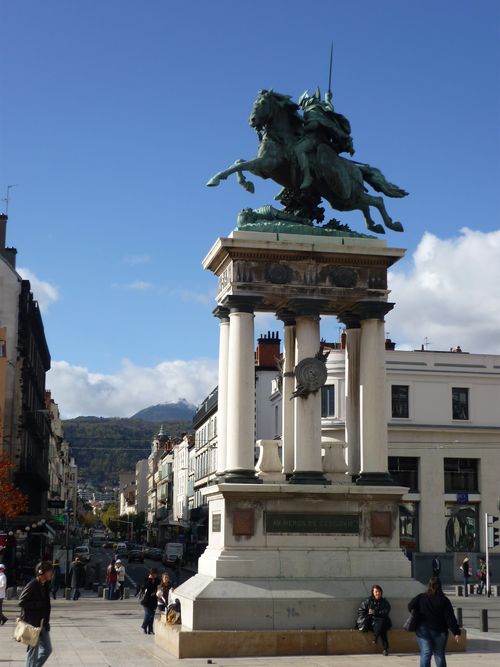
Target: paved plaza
94,632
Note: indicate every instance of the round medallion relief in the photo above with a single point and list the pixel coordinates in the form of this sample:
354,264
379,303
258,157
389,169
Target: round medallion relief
343,277
311,373
279,274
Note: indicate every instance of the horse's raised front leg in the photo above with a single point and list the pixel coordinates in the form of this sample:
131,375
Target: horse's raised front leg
379,204
238,166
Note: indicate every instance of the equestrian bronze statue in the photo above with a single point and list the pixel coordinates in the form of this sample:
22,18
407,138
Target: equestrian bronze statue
300,147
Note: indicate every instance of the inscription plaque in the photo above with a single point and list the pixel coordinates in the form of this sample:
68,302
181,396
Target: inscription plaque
243,522
216,523
281,522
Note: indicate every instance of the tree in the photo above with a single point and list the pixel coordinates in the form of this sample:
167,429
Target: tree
12,501
87,519
109,516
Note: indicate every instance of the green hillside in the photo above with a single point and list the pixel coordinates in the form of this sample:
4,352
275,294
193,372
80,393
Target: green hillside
102,447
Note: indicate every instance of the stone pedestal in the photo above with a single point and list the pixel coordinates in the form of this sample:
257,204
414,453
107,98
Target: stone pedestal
300,554
282,556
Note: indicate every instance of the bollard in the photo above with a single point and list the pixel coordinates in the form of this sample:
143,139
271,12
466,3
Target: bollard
67,593
460,591
126,593
459,617
99,591
484,620
104,593
11,593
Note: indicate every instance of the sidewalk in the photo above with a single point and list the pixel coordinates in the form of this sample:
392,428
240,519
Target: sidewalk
95,633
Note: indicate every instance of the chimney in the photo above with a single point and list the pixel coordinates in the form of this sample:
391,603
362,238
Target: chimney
3,231
8,253
268,350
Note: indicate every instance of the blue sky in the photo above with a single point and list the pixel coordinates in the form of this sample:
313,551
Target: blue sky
115,113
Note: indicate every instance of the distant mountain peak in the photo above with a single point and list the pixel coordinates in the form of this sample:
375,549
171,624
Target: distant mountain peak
179,411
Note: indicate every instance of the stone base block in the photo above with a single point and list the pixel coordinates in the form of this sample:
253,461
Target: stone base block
183,643
284,604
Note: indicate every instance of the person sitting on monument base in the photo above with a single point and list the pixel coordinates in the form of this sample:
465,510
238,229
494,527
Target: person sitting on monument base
373,615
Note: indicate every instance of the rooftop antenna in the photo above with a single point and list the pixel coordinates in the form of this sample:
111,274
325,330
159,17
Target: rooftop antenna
7,198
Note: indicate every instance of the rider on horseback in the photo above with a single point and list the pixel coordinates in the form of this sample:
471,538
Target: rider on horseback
321,125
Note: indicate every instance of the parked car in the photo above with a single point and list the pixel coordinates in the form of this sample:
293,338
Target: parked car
136,555
83,553
174,552
121,550
154,553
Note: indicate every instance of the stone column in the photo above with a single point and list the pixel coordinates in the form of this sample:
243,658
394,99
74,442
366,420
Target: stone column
372,394
308,468
223,315
240,448
287,388
352,415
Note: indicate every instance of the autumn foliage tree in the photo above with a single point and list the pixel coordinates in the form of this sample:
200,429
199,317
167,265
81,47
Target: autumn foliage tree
12,501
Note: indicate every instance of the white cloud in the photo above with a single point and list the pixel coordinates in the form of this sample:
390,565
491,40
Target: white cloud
135,260
81,392
43,292
137,285
450,295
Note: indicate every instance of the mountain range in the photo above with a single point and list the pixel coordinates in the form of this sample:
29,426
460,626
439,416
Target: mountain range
180,411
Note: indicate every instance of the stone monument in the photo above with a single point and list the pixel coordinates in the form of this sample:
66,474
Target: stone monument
296,542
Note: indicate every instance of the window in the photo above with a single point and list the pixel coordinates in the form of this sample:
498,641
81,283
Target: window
408,526
461,475
328,400
404,471
460,403
400,404
462,527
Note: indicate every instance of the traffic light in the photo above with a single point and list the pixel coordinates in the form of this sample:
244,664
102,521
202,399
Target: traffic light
493,536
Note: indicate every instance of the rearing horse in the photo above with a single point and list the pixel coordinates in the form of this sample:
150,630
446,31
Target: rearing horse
337,179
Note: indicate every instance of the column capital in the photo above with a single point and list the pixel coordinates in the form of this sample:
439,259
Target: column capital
372,310
350,319
241,304
286,316
222,313
306,307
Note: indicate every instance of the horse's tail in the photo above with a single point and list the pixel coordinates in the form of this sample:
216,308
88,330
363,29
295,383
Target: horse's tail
377,180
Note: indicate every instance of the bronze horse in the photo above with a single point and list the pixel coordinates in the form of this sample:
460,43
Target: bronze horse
276,119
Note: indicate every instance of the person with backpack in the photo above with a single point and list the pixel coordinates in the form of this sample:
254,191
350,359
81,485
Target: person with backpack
111,579
77,574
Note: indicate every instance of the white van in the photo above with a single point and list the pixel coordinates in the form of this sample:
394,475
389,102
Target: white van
173,551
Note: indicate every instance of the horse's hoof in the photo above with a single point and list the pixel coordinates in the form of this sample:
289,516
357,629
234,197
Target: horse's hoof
213,182
377,229
397,227
250,187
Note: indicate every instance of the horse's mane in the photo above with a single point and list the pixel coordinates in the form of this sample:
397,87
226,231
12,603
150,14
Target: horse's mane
286,103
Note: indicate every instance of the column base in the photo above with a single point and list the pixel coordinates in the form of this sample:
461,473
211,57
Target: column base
239,477
375,479
308,477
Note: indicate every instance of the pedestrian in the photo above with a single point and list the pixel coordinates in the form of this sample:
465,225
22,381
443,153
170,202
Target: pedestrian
3,590
35,610
149,600
111,579
373,615
55,584
436,567
434,617
163,591
481,573
120,577
77,578
465,567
